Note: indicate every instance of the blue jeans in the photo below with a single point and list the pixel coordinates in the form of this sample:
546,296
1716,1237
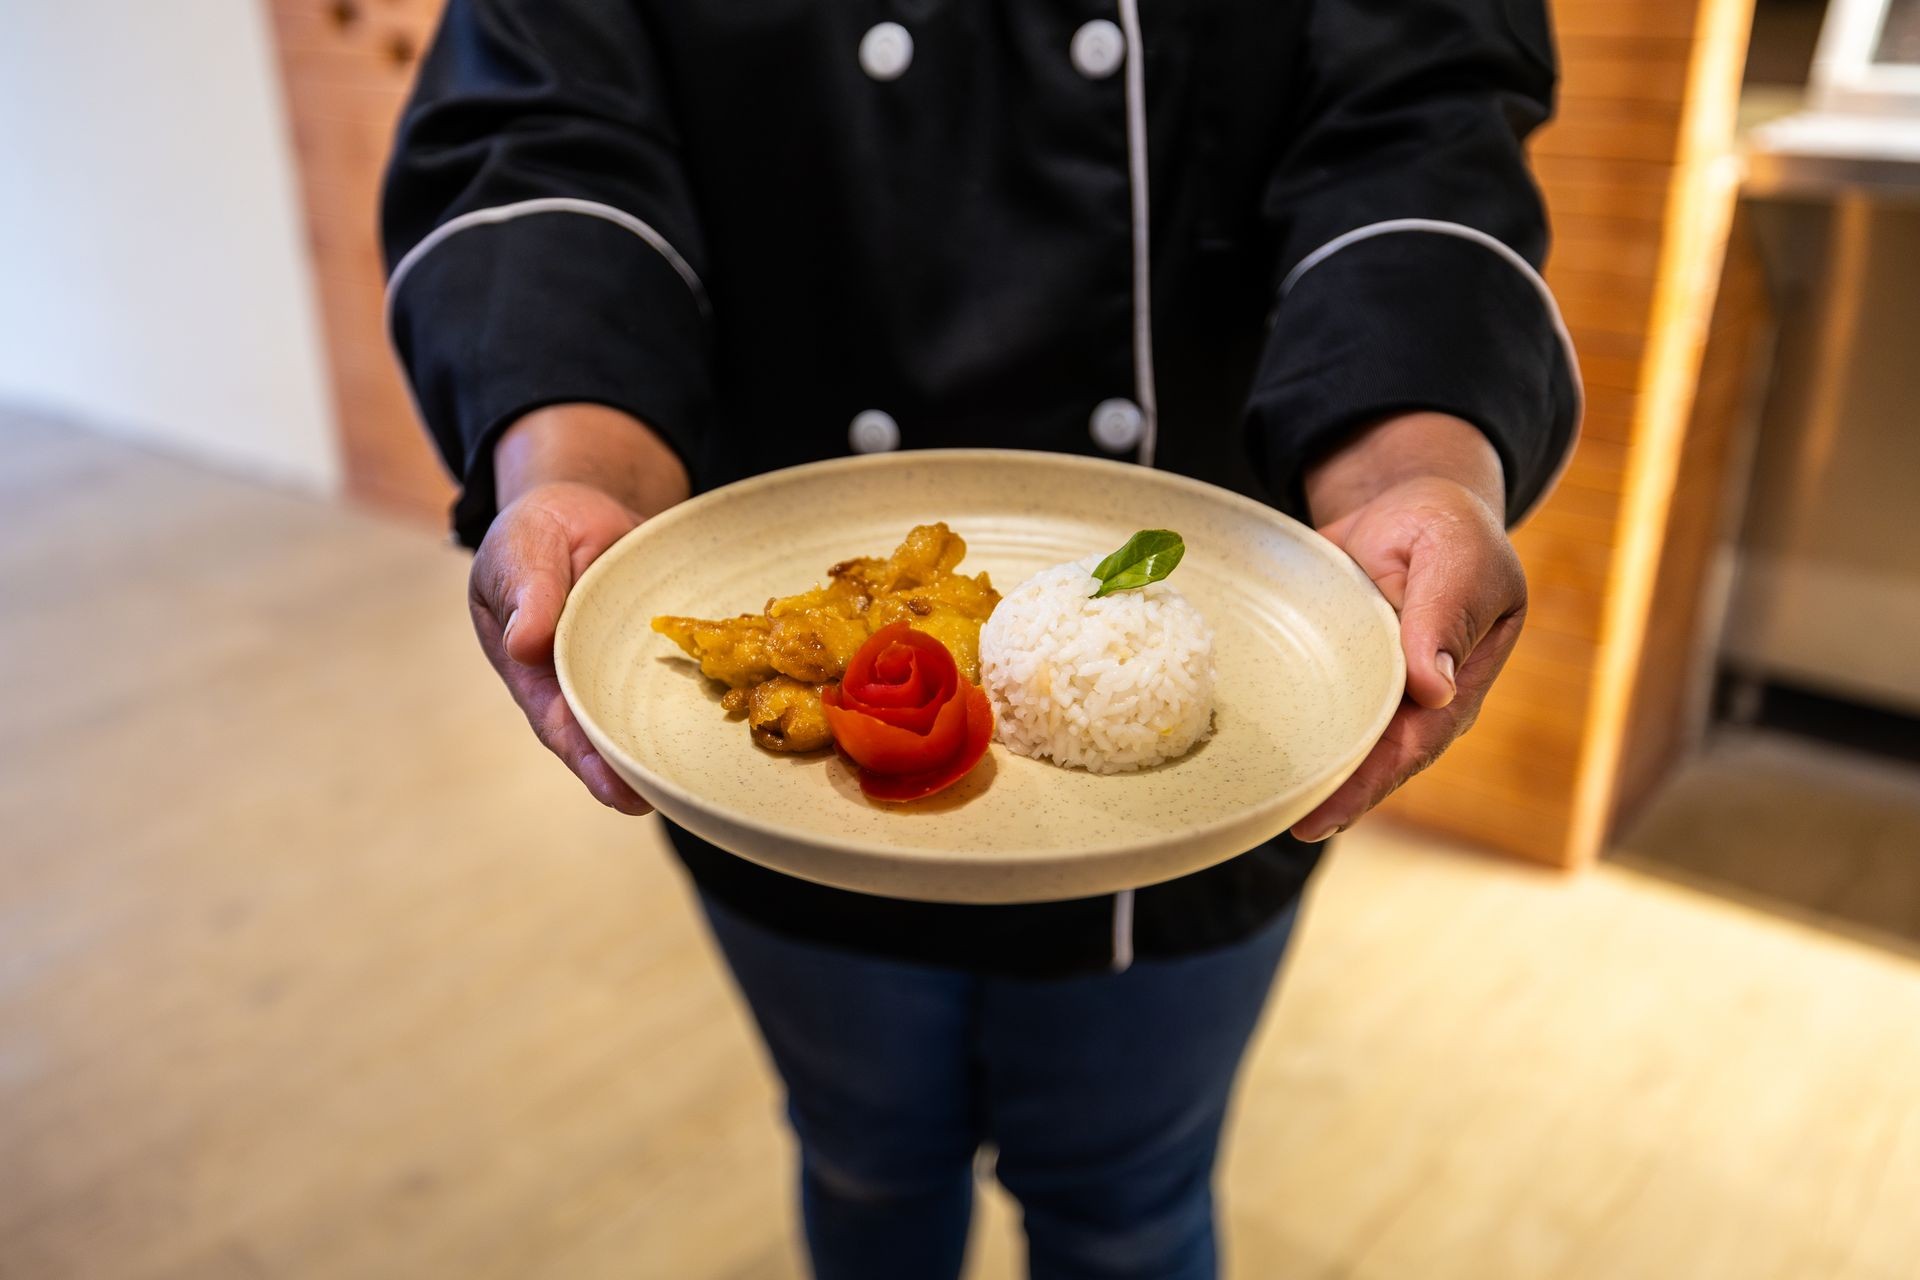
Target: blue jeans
1103,1095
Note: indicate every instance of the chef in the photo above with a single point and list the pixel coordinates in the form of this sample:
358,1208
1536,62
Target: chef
641,248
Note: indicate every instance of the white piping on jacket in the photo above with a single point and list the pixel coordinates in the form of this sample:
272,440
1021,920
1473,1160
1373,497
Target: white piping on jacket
1123,931
545,204
1136,94
1513,259
1136,91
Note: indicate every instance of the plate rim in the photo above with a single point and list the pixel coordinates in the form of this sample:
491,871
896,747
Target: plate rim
1003,857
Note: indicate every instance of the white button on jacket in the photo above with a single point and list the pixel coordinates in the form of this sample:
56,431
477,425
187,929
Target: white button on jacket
874,431
1116,425
886,51
1098,49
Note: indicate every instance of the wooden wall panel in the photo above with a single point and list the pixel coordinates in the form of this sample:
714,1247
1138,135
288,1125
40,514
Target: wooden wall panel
1634,171
1575,20
346,66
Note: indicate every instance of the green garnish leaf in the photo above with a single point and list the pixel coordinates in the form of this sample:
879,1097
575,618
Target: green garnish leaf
1149,556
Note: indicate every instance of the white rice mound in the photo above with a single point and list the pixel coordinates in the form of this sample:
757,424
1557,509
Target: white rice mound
1108,685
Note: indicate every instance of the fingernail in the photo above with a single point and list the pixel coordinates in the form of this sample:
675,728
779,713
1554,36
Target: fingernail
506,634
1322,836
1443,663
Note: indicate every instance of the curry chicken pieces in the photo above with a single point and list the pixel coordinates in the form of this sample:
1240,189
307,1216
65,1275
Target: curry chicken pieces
776,662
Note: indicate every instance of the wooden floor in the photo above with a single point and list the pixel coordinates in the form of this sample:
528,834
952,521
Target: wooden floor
311,965
1793,825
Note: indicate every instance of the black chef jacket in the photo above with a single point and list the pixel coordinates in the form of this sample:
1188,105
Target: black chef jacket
1213,236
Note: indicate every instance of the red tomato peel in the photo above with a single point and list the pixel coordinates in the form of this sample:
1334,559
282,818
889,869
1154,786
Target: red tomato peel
884,748
900,787
900,677
905,717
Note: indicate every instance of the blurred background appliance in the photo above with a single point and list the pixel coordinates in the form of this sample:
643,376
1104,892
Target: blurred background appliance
1825,619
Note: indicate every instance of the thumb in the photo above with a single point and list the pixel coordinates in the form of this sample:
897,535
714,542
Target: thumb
522,575
1457,590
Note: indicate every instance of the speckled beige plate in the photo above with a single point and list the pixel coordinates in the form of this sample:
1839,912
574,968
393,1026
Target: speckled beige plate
1308,651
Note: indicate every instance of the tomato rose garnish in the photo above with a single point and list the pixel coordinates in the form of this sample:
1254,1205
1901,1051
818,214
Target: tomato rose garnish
904,715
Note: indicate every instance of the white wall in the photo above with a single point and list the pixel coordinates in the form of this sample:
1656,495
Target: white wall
152,277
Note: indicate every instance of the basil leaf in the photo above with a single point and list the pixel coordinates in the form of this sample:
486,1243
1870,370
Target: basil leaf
1149,556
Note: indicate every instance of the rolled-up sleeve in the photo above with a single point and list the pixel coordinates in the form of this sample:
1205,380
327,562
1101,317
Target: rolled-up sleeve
541,238
1411,238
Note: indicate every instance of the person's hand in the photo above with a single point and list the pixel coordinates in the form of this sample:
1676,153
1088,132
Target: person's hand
1417,501
572,480
534,551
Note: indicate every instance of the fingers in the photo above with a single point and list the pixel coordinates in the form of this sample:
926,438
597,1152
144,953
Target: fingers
537,691
1462,581
521,577
1441,557
1415,738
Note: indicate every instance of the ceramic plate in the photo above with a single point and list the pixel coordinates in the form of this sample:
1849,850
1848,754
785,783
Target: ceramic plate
1309,660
